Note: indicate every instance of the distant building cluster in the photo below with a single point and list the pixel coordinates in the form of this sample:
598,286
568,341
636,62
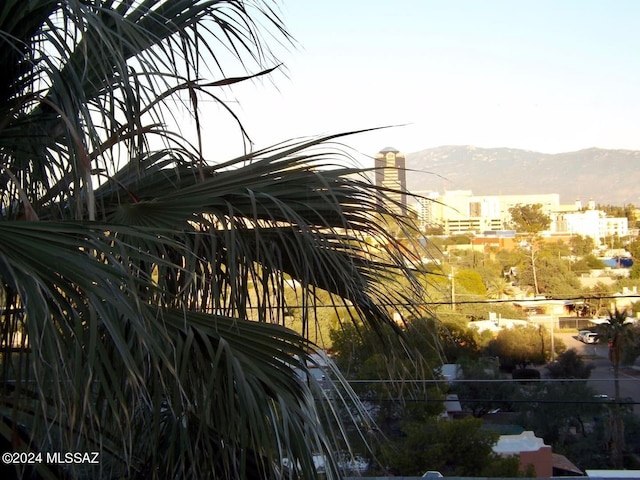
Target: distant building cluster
460,211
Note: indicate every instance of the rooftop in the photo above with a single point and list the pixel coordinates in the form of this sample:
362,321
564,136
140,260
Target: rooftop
389,150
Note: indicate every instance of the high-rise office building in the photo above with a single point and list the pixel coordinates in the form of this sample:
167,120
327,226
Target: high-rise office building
390,174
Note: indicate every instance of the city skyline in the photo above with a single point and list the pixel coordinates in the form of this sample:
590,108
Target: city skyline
463,212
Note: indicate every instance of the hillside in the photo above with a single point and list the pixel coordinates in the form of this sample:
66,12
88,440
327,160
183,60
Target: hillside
606,176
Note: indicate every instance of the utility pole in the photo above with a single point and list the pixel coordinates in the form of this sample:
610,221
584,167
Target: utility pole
553,346
533,265
453,289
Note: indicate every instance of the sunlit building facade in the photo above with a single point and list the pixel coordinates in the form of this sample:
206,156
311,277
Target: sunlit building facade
460,211
390,174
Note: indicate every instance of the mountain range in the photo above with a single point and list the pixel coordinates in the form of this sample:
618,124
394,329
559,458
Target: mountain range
606,176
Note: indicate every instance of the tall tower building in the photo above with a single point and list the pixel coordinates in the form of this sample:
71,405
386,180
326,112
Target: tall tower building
390,174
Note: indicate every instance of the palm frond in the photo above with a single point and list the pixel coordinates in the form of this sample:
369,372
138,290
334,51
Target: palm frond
120,368
141,312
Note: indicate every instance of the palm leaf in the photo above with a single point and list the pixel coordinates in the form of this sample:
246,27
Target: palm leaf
139,310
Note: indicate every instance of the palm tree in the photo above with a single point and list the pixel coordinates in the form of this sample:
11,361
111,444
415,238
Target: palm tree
499,289
617,331
142,285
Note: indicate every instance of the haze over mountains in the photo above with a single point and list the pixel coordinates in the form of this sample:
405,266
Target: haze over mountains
606,176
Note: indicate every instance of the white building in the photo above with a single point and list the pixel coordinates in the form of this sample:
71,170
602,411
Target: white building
459,211
591,223
424,203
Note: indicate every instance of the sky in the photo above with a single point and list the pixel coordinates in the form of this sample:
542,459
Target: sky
550,76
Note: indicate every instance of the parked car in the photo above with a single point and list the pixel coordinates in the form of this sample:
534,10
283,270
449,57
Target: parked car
432,474
582,333
590,338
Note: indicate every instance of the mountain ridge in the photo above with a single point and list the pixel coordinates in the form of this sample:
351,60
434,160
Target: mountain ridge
607,176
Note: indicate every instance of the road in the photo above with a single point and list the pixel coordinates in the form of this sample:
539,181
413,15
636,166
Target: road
601,379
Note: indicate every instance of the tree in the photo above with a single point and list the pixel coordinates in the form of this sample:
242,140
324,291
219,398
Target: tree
470,282
143,285
597,297
569,365
483,396
446,446
391,374
523,345
500,289
632,350
548,272
587,263
529,219
618,333
563,408
581,246
614,241
634,273
560,411
633,247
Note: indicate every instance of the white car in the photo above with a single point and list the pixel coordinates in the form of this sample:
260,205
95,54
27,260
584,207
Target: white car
432,474
582,333
590,338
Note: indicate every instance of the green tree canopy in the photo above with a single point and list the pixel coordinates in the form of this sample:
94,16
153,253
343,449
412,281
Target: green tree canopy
529,218
596,297
553,275
581,246
395,366
492,391
586,264
469,282
633,247
557,409
446,447
618,331
458,340
500,288
569,365
523,345
634,273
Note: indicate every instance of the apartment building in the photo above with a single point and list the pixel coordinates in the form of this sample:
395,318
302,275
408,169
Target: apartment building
592,223
422,206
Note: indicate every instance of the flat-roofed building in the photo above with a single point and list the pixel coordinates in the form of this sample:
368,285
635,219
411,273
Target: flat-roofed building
460,211
423,206
592,223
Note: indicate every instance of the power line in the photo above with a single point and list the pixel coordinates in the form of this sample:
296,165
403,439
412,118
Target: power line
541,300
471,302
494,380
493,400
595,401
